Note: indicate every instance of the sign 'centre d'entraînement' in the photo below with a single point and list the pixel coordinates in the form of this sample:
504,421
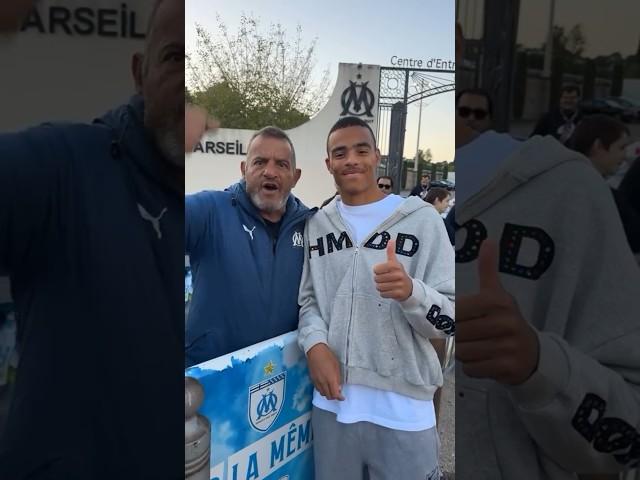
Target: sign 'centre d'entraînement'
435,63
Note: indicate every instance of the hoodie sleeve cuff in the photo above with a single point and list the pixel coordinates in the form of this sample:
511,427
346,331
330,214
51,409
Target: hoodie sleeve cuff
313,339
550,378
417,299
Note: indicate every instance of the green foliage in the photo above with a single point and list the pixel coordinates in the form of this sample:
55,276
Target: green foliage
253,78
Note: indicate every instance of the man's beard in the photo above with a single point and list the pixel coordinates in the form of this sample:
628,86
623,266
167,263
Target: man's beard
268,206
168,134
170,146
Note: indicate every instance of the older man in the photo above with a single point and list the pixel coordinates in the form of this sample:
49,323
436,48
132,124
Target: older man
246,249
91,221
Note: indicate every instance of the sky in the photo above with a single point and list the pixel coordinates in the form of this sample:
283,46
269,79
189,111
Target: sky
596,18
370,32
590,14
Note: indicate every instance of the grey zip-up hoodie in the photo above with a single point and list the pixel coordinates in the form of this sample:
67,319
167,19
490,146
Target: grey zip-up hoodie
564,257
379,342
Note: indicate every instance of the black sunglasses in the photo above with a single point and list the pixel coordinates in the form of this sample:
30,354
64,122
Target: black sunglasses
385,186
480,114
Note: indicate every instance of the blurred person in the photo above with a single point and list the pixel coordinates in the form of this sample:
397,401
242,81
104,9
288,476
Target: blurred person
475,109
91,217
439,198
369,305
561,122
385,184
252,231
421,189
545,387
604,141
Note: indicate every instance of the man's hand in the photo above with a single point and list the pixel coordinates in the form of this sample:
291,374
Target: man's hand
391,279
324,371
196,122
492,338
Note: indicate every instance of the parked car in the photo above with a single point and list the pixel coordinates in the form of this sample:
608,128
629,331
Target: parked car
443,184
631,107
600,105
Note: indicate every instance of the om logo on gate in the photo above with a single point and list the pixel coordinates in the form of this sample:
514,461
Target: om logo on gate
265,401
357,100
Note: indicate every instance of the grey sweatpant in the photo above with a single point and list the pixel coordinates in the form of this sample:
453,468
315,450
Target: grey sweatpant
345,451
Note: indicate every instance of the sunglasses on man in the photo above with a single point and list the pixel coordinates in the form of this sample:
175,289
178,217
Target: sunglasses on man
385,186
478,113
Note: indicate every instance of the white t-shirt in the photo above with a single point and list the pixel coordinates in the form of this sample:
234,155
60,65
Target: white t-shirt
362,403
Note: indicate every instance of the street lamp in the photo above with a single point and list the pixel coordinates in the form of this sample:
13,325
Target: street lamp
420,91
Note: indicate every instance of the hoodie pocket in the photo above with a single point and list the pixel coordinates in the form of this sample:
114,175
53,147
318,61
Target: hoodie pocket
373,344
419,359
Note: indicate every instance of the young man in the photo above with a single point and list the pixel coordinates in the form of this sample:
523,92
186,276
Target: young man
547,331
377,284
245,247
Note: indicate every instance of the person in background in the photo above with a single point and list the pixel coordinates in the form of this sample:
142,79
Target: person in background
603,140
385,184
475,109
421,189
561,122
439,198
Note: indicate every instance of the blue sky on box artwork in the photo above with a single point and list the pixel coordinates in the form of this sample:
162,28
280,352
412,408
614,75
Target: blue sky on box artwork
356,31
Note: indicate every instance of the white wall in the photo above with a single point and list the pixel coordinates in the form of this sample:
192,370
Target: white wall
217,171
63,76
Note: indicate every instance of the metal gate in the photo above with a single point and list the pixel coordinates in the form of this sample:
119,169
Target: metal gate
399,88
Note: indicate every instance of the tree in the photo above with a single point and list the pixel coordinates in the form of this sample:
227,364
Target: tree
424,161
252,78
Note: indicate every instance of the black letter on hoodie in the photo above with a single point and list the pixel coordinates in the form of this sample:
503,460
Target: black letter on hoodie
583,422
608,434
476,233
331,242
319,247
510,244
383,243
441,322
400,241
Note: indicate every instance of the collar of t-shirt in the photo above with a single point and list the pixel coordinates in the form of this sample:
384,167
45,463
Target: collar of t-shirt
273,228
363,219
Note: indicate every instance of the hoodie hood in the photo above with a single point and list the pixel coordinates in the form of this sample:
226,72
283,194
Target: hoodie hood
132,140
536,156
406,208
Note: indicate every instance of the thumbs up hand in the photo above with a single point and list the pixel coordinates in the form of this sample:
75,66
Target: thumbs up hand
493,340
391,279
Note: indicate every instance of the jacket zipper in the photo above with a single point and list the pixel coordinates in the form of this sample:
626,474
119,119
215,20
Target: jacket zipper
353,293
